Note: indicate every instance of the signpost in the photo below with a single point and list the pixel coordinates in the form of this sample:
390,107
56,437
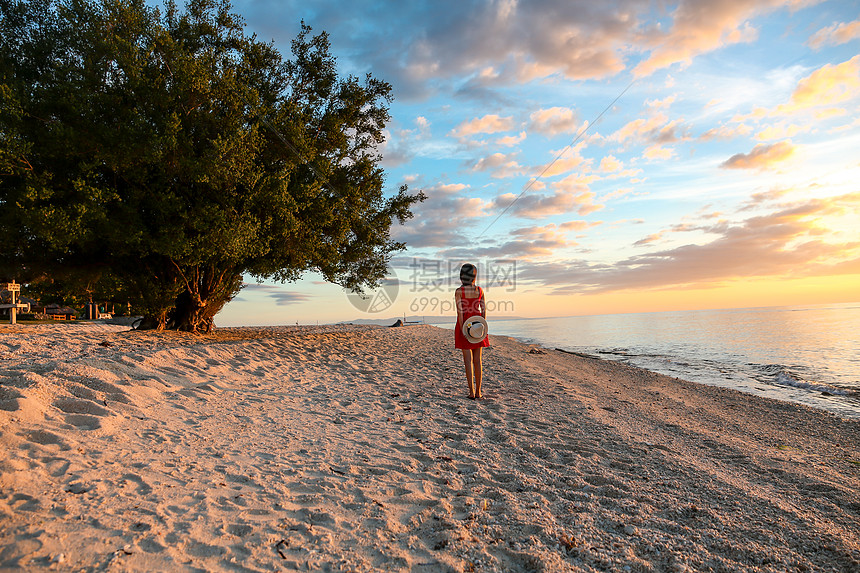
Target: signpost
14,289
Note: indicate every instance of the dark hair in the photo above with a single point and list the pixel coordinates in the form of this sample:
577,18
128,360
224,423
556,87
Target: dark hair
468,272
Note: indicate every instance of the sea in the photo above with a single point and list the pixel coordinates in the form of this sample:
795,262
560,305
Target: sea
804,354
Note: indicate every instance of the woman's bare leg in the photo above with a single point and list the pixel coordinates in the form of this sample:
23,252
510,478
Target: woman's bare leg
477,368
467,360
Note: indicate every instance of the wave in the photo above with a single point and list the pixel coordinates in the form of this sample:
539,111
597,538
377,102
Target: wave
782,376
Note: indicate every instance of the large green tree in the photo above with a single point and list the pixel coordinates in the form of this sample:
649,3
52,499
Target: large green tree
170,152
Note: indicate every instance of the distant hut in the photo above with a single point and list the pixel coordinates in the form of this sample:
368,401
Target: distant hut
54,311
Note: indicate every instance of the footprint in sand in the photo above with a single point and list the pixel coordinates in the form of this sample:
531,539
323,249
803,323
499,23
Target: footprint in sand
45,438
142,488
23,502
83,421
75,406
56,467
9,399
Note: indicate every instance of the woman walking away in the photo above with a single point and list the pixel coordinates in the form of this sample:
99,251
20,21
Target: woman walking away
471,311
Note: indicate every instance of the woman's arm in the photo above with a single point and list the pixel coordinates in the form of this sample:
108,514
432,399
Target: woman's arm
483,304
458,304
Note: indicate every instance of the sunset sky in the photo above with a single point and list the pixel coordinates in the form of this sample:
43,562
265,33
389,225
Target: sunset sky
725,174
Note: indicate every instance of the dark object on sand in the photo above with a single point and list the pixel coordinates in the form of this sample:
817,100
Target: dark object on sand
398,323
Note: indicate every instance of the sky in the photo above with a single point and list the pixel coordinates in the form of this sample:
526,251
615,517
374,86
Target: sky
599,157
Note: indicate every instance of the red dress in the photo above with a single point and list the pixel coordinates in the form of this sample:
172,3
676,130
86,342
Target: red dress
471,307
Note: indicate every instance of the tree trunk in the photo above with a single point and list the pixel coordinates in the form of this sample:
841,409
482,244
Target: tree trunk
204,291
210,288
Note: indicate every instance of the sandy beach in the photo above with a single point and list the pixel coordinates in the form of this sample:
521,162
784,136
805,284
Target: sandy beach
354,448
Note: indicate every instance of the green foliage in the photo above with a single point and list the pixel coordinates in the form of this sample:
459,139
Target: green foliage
170,152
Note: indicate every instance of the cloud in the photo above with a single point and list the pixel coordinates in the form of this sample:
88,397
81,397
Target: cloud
830,112
530,243
789,242
537,205
445,218
654,152
511,140
699,27
423,124
499,165
395,152
655,130
825,86
652,238
486,124
839,33
761,157
525,243
578,225
280,296
553,121
610,164
423,47
565,162
781,131
660,103
725,132
575,182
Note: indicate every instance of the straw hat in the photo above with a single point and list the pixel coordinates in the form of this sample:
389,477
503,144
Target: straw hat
475,329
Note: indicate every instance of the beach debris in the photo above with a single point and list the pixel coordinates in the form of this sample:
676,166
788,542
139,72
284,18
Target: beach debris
537,351
568,542
105,343
58,558
631,530
281,546
77,488
398,323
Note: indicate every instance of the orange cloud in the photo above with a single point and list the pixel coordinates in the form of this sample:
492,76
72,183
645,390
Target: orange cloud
565,163
638,128
526,243
791,242
578,225
761,157
499,165
658,152
839,33
554,121
830,112
486,124
825,86
699,27
781,131
610,164
656,130
537,206
575,182
511,140
652,238
724,132
444,218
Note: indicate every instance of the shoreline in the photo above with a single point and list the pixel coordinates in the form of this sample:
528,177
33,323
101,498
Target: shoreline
356,449
775,377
